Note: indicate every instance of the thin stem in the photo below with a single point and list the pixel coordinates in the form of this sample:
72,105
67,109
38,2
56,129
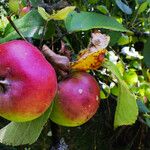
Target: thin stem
134,19
43,34
16,29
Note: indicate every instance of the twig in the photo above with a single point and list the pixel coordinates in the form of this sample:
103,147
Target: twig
16,29
43,33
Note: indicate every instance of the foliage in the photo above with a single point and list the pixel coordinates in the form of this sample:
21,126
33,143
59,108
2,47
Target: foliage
124,77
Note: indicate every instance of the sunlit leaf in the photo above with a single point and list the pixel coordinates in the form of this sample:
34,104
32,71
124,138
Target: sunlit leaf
126,110
103,9
89,60
142,7
63,13
43,13
59,15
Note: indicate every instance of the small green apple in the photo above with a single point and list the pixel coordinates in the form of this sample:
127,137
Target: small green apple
130,77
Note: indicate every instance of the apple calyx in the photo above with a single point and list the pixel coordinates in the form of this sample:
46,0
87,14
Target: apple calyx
3,85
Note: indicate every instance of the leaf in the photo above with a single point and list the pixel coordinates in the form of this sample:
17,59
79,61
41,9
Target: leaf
113,69
43,13
93,56
114,36
142,7
103,9
89,61
126,111
88,20
125,8
124,39
31,25
146,52
23,133
63,13
59,15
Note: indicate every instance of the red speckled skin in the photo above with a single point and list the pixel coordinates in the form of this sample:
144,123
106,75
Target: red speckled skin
77,100
32,82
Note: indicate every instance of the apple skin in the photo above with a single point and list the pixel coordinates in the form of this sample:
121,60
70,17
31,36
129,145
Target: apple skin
30,82
76,101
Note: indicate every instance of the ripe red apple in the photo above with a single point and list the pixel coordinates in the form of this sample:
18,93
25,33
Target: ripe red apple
77,100
27,81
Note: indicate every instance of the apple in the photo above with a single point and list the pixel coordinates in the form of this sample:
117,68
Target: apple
24,10
76,101
130,77
28,82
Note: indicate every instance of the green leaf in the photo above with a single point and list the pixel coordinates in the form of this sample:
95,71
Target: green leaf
43,13
125,8
124,39
59,15
114,70
146,52
114,36
31,25
63,13
23,133
103,9
88,20
142,7
126,110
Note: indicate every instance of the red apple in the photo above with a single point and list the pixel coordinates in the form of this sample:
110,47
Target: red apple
27,81
77,100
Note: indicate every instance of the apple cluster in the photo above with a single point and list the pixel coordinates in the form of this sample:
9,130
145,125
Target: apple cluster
28,85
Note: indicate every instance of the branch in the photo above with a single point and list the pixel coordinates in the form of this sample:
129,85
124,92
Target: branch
16,29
